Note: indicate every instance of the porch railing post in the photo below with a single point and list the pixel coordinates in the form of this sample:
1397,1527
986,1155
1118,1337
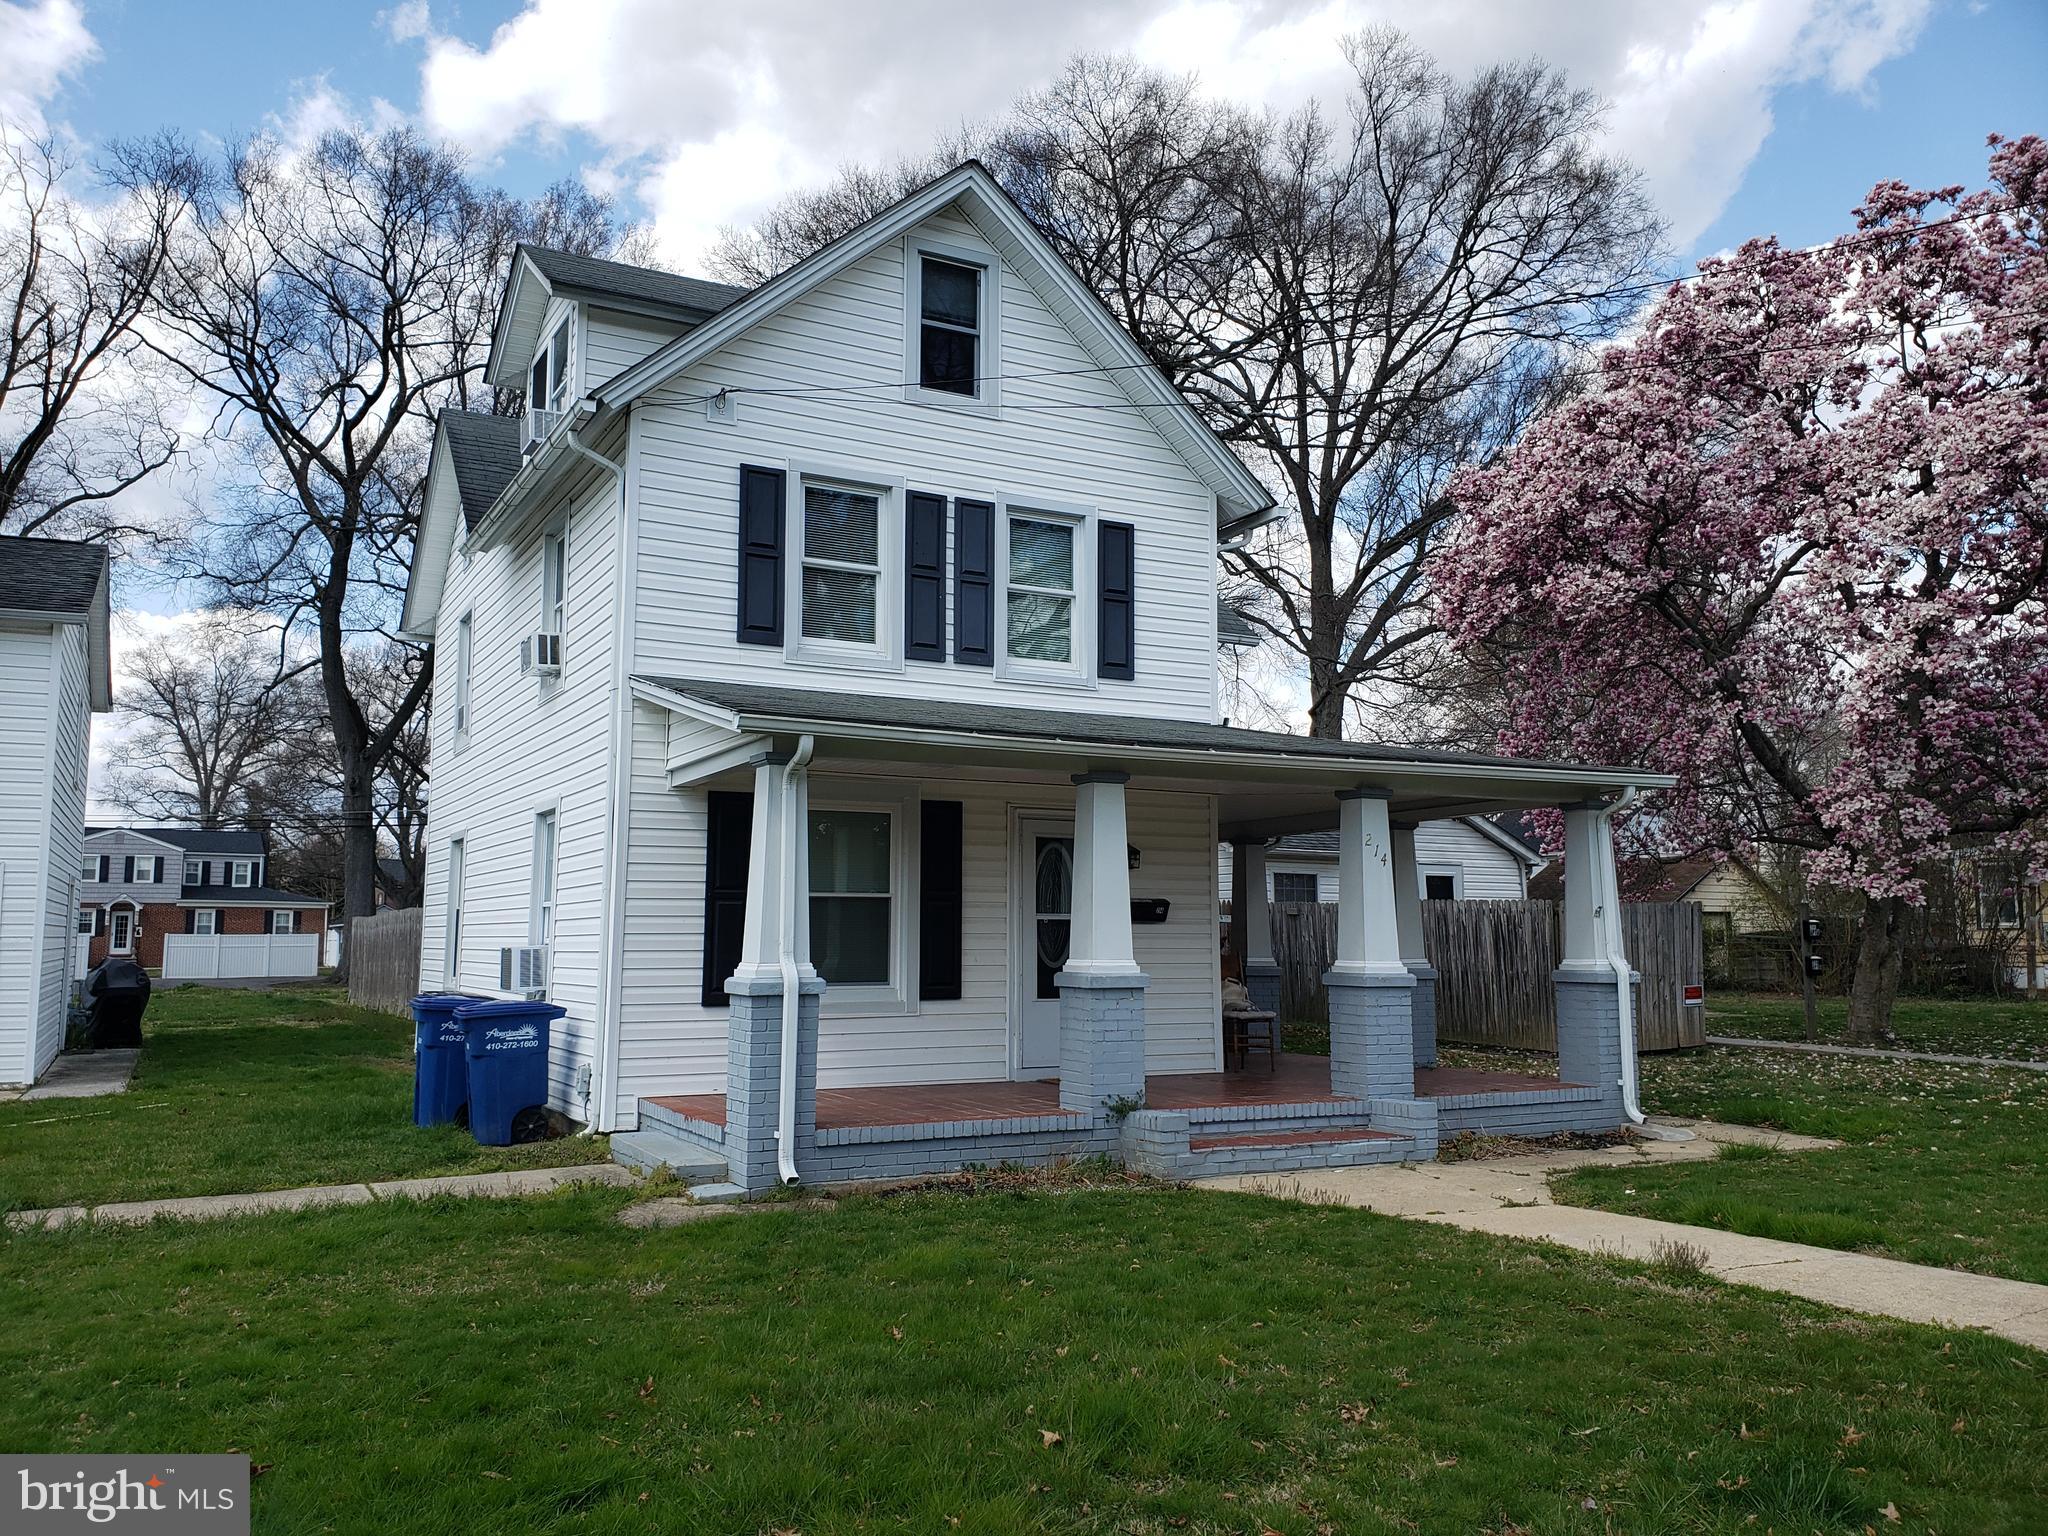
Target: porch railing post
1588,1011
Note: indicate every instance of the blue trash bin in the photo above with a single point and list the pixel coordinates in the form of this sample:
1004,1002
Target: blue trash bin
507,1052
440,1080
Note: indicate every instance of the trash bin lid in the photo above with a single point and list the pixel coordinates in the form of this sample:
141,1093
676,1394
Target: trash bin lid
509,1008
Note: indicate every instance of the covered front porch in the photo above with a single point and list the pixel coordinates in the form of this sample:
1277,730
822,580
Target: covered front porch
1089,1033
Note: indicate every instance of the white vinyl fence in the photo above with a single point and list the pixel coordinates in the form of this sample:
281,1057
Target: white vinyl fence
225,956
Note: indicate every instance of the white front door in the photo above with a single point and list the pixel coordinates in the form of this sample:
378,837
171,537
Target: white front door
120,932
1043,902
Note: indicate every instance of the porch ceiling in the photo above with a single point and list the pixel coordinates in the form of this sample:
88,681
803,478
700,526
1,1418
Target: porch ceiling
1268,783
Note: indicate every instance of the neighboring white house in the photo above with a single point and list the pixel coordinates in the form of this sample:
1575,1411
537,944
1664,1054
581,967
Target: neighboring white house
826,708
1466,858
53,676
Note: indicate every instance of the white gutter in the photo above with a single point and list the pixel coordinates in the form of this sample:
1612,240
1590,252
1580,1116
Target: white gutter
1617,956
599,1113
792,998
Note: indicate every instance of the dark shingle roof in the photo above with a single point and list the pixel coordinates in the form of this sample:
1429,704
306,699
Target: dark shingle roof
1642,879
1232,628
643,285
246,895
196,839
485,452
50,575
799,704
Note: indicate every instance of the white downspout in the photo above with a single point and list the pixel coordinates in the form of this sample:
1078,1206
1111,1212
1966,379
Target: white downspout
598,1115
785,946
1617,956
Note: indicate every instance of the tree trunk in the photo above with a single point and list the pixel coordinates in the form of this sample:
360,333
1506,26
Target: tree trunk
1876,983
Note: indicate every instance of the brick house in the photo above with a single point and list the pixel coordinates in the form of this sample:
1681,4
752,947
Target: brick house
141,883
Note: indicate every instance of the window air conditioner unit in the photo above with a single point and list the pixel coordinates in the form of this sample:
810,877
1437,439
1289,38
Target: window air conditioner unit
540,654
539,423
524,970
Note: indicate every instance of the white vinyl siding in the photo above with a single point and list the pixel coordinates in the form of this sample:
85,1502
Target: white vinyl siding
670,1043
559,741
1485,871
1045,447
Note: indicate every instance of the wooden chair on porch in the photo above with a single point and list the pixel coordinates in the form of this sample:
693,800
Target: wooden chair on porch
1247,1029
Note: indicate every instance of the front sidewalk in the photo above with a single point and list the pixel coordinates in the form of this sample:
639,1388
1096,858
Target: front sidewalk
1510,1197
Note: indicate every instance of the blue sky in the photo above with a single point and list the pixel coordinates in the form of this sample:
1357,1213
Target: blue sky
1749,116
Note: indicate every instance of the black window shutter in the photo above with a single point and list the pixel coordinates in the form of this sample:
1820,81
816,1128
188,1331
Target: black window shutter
191,919
924,576
974,605
1116,645
727,844
105,864
940,860
220,920
761,518
128,869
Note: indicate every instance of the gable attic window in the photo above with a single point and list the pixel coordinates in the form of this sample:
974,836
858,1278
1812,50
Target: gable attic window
949,328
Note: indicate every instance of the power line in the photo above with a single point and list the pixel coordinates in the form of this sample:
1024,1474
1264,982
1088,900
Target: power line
892,387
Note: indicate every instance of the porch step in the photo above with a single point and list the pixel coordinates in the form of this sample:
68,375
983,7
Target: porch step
650,1148
1337,1134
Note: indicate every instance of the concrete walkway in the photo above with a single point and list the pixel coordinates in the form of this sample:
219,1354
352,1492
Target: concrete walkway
1510,1197
135,1213
1875,1053
86,1075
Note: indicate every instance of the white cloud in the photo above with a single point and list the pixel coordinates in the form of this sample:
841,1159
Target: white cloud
44,43
407,22
712,113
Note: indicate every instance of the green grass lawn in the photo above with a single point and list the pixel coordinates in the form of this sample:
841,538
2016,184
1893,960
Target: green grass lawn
1956,1026
1941,1164
1132,1359
242,1090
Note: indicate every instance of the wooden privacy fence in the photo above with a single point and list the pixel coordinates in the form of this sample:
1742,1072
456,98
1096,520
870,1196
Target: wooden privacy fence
384,960
1494,961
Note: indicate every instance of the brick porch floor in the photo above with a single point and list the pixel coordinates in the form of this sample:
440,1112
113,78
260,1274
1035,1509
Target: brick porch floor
1293,1080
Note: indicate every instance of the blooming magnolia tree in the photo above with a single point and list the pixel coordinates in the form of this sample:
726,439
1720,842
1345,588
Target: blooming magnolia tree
1792,546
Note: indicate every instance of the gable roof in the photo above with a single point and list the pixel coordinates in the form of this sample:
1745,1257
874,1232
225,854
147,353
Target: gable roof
1642,879
1242,500
1323,845
63,581
484,453
228,840
595,277
1233,628
50,575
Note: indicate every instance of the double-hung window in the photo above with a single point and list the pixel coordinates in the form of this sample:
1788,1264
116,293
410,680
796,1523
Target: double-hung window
842,565
281,920
453,968
554,579
852,901
949,331
90,870
541,920
547,393
1039,592
203,921
195,872
464,629
244,872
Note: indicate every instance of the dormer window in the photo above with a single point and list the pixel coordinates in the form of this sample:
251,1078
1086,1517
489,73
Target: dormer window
547,394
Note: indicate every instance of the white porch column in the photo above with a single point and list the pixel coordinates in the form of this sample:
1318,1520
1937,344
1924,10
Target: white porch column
1102,991
1585,936
1101,944
778,892
1368,937
1372,1029
1589,1045
1251,922
1408,932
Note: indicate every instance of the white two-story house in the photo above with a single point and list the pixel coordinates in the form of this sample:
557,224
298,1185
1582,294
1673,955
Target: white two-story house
825,718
